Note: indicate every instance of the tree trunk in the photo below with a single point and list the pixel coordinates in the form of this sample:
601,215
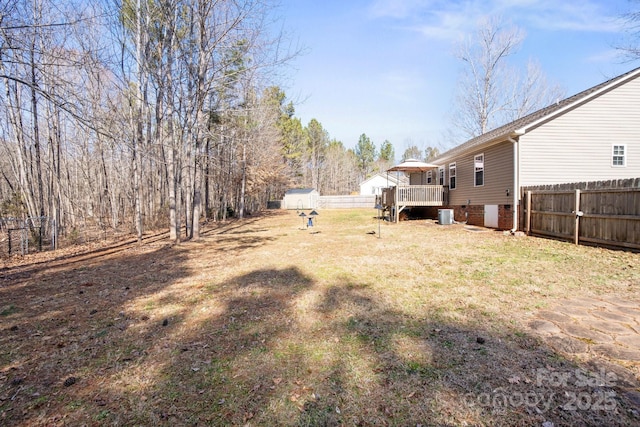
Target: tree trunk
243,183
36,131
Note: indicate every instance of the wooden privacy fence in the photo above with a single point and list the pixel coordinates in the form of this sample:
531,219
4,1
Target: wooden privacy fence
607,216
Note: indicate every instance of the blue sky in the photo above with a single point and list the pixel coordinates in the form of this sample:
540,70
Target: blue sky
385,67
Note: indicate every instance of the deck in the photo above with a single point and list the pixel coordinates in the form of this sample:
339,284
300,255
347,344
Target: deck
395,199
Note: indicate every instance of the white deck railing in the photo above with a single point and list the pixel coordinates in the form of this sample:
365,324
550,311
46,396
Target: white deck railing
414,195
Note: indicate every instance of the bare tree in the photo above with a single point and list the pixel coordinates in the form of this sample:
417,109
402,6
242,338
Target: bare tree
490,91
341,174
630,46
317,142
145,113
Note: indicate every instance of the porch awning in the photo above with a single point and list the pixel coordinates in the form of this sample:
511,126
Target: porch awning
412,165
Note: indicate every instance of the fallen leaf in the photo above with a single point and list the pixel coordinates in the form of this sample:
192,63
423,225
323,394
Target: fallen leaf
514,380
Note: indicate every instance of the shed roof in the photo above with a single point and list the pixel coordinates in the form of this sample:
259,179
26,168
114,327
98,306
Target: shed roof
300,191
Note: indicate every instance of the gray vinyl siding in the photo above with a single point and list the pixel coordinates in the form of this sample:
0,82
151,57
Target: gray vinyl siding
498,177
577,146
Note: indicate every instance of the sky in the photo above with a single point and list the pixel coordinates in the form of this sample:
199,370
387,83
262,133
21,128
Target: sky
386,68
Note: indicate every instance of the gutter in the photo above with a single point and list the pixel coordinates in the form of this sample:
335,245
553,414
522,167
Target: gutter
516,181
460,150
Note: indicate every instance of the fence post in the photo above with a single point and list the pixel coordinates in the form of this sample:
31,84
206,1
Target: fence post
396,218
54,235
24,241
576,231
528,224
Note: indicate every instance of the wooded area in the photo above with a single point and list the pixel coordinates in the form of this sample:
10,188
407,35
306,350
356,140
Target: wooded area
159,113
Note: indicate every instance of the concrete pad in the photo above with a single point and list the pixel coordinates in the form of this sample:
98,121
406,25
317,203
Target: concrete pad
612,315
622,302
586,302
628,311
544,327
567,344
611,328
623,377
580,330
554,317
616,352
578,313
632,341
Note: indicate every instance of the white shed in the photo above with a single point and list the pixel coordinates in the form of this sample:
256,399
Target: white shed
301,198
375,184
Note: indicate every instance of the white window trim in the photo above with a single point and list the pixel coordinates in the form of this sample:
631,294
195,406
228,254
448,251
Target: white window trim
429,178
624,155
474,170
453,166
441,175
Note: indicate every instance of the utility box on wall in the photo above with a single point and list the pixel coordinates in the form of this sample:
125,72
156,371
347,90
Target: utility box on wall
445,216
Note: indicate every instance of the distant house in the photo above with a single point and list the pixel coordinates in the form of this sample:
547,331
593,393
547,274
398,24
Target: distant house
593,135
375,184
301,198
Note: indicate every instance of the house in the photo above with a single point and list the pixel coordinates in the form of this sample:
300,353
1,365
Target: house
301,198
375,184
593,135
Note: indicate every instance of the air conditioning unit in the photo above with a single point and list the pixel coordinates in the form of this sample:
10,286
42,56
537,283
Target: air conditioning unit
445,216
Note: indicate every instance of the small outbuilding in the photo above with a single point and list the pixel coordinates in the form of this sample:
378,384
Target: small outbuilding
375,184
301,198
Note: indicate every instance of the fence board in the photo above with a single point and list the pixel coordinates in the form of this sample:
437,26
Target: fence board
346,202
588,212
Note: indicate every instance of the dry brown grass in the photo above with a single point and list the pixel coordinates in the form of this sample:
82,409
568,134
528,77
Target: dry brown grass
265,322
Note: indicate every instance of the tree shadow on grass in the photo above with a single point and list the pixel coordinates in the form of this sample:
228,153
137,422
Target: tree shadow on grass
67,325
440,370
224,358
272,347
239,226
276,349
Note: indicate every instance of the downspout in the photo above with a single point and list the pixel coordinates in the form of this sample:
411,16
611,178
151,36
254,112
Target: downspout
516,183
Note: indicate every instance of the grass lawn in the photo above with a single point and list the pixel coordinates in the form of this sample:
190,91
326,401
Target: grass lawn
266,322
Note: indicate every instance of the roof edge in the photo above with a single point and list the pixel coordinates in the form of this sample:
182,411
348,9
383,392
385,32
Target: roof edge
605,87
532,120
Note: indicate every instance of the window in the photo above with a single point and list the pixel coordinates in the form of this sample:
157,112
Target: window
618,155
441,175
478,167
452,176
429,177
